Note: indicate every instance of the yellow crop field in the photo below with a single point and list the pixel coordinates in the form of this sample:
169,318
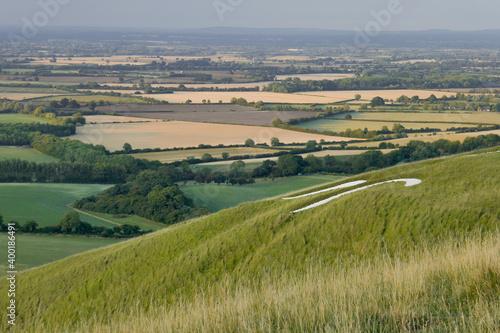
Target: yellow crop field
179,155
186,134
315,97
226,96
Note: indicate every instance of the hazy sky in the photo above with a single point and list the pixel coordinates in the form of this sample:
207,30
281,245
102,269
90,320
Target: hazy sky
324,14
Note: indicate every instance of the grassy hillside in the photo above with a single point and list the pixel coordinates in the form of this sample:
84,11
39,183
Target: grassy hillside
359,252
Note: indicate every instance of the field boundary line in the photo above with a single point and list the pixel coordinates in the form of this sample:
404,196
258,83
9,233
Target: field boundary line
96,217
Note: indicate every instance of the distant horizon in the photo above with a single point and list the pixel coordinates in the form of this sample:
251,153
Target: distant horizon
390,15
104,28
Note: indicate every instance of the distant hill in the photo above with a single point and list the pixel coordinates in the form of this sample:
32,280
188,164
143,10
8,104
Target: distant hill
353,264
259,37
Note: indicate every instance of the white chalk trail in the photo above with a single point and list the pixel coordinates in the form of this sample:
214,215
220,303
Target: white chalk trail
351,184
408,181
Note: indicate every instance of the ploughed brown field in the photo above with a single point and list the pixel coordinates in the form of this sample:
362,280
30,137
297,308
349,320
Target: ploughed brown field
186,134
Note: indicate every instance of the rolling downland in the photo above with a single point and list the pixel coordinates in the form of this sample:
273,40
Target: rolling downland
388,258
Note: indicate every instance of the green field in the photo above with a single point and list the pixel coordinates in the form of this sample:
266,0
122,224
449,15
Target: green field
215,197
12,118
389,258
340,125
25,154
44,203
47,203
34,251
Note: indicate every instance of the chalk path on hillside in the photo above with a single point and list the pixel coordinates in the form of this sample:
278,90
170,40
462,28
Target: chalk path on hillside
409,182
351,184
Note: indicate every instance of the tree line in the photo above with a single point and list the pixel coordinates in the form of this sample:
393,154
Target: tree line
290,165
20,134
70,224
380,83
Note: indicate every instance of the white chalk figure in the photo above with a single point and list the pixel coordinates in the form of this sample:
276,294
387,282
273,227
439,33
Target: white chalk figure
409,182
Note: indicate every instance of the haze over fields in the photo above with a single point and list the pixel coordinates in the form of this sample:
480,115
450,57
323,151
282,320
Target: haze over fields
421,15
249,166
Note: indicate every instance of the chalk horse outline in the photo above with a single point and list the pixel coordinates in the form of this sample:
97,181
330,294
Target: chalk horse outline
409,182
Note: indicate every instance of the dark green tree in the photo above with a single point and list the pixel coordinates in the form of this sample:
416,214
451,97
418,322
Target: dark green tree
69,222
377,101
206,157
30,227
249,143
127,147
311,144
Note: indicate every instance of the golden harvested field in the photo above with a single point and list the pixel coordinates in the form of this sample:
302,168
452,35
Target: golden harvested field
315,97
367,95
21,96
180,155
225,97
322,153
186,134
448,117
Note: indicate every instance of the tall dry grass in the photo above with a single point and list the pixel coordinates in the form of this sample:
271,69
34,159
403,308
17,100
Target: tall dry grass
451,288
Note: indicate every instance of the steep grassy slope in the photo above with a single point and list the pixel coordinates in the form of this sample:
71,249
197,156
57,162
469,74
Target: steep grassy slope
262,241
